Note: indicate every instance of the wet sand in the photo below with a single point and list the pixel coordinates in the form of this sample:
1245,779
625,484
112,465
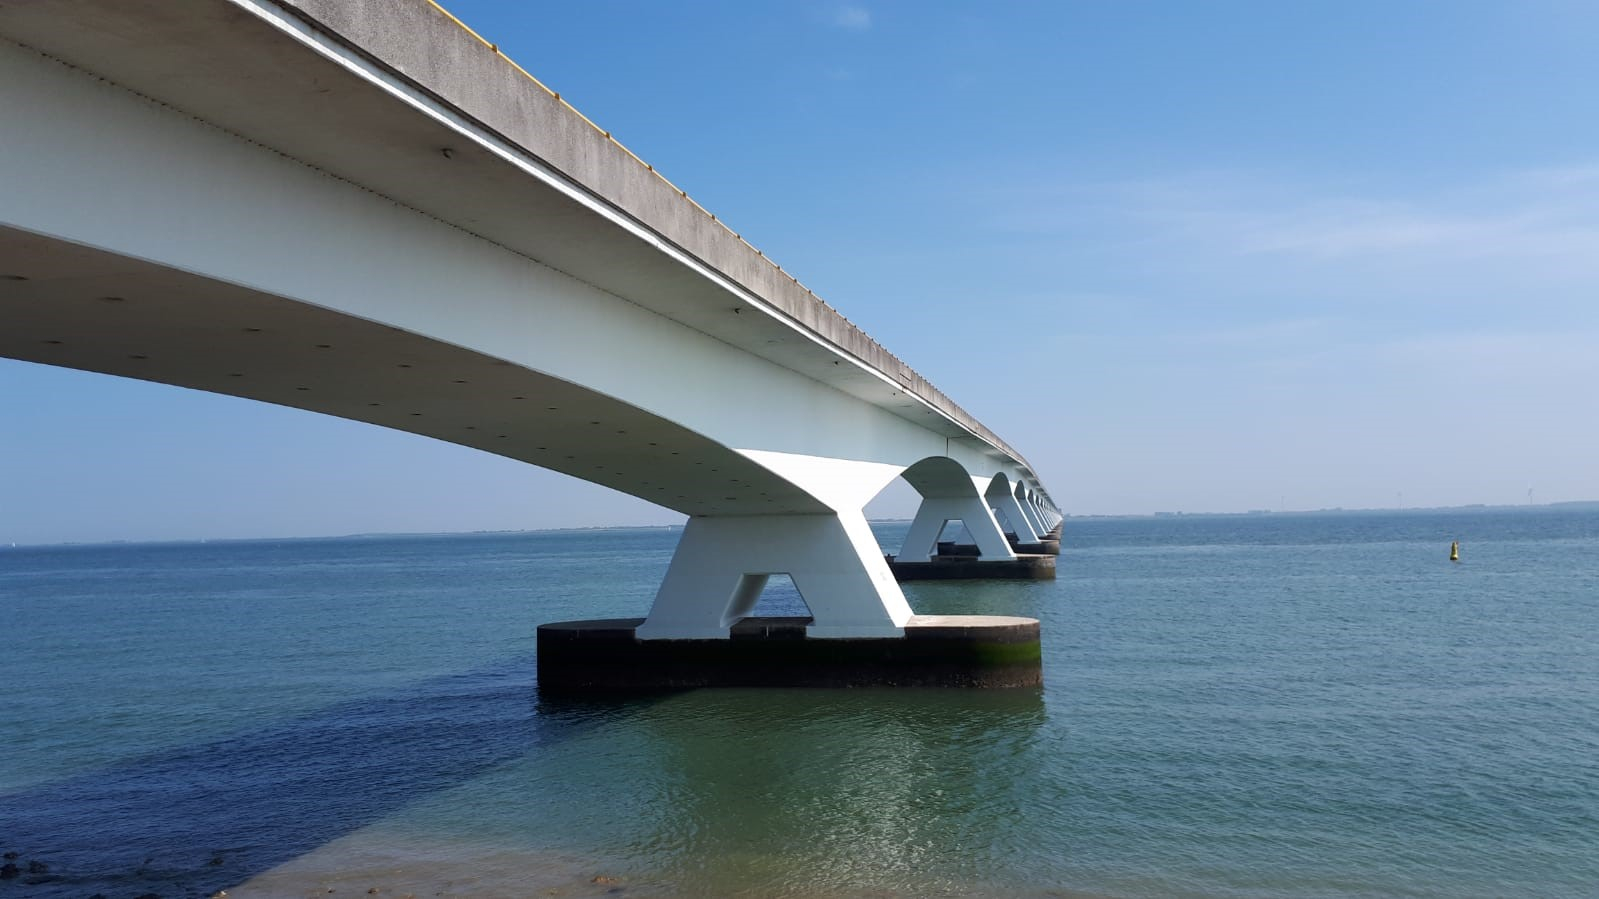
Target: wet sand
357,867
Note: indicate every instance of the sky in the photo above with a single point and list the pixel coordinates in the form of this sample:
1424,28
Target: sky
1184,257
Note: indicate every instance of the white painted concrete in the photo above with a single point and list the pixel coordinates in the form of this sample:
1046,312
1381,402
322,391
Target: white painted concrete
1000,497
239,269
722,563
951,492
1024,505
921,541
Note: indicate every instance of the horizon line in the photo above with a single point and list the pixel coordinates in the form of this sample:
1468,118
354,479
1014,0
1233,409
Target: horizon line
380,535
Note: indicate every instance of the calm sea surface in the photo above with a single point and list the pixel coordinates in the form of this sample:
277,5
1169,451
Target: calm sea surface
1240,706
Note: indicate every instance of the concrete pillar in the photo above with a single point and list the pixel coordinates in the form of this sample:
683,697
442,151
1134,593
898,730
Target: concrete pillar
1004,523
1025,506
722,563
1052,514
1005,502
921,541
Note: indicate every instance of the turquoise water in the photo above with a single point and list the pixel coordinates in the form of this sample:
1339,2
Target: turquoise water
1239,706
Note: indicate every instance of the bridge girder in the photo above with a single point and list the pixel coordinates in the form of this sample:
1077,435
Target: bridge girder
141,241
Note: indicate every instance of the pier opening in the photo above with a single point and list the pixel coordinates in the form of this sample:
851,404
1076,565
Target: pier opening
780,599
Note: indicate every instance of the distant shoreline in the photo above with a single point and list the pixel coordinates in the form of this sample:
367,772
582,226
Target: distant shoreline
1569,506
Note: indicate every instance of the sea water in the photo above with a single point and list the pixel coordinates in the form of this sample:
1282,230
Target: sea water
1282,705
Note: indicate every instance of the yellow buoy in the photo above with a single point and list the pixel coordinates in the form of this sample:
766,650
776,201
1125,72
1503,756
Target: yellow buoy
1454,551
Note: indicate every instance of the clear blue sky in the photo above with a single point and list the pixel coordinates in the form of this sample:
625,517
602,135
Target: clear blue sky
1184,256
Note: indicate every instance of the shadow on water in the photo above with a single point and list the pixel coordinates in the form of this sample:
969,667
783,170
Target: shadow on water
195,819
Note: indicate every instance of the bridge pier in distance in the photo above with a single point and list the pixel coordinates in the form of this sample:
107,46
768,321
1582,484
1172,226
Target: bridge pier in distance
967,651
1014,536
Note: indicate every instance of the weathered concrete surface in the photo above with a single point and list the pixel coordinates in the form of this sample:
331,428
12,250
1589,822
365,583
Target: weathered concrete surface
970,568
421,44
602,656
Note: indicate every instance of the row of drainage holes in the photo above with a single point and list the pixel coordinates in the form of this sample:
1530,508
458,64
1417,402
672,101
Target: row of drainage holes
320,346
413,414
418,414
468,427
26,278
329,346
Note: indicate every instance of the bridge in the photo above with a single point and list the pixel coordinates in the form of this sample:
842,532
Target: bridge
362,208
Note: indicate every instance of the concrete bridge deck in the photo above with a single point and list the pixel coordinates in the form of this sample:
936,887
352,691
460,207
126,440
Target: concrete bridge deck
485,127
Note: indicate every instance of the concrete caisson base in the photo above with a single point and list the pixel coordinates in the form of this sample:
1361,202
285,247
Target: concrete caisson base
1041,548
970,568
603,656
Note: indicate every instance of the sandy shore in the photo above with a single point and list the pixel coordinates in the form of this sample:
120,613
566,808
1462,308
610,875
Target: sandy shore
357,867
